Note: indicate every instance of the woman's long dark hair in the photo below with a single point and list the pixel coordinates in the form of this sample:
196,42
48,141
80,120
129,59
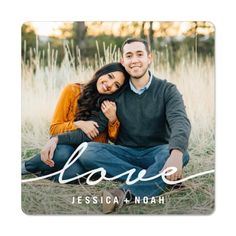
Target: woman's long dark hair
90,100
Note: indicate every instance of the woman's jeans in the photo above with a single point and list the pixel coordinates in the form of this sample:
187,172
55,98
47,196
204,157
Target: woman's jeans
61,155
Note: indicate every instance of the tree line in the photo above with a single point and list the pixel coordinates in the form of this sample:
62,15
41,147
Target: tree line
84,46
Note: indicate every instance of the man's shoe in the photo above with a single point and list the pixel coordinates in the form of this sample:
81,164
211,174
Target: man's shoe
23,169
112,200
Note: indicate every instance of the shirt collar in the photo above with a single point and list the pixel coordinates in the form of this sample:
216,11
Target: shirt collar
145,87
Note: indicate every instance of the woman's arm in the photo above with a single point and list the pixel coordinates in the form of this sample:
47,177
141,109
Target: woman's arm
73,138
89,127
64,113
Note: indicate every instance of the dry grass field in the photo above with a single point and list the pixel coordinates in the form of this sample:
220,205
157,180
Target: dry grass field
41,86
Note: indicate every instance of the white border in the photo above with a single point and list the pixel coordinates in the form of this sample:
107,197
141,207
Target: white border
221,13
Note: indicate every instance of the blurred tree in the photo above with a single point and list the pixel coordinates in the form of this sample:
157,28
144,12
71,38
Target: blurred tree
147,32
75,34
150,35
28,39
79,35
66,30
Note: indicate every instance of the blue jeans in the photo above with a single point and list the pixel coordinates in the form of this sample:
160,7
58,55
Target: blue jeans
60,157
116,159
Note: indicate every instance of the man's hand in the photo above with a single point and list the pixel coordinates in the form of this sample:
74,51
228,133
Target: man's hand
175,160
109,110
90,128
48,151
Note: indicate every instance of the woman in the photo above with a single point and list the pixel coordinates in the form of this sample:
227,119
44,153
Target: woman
78,108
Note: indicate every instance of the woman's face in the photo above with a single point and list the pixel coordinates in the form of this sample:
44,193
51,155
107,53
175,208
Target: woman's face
110,83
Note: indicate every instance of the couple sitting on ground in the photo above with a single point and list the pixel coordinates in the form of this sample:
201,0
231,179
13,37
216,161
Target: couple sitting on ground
144,116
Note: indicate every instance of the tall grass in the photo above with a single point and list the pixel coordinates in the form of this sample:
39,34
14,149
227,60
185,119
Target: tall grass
41,86
194,77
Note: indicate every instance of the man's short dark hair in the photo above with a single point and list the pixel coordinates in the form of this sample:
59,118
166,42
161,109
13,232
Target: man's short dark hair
132,40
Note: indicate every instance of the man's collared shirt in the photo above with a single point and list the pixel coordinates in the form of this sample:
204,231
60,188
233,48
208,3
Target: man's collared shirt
140,91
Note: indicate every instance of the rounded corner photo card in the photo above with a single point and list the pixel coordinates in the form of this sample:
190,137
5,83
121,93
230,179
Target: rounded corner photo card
118,118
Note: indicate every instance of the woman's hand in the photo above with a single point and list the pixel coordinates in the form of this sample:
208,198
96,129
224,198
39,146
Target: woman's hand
48,151
88,127
109,110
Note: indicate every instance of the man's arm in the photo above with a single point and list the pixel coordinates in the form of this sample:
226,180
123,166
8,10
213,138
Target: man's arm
180,130
177,119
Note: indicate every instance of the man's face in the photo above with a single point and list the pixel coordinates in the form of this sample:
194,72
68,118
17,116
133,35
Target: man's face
135,59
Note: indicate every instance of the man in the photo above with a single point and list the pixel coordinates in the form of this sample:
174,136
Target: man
153,135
